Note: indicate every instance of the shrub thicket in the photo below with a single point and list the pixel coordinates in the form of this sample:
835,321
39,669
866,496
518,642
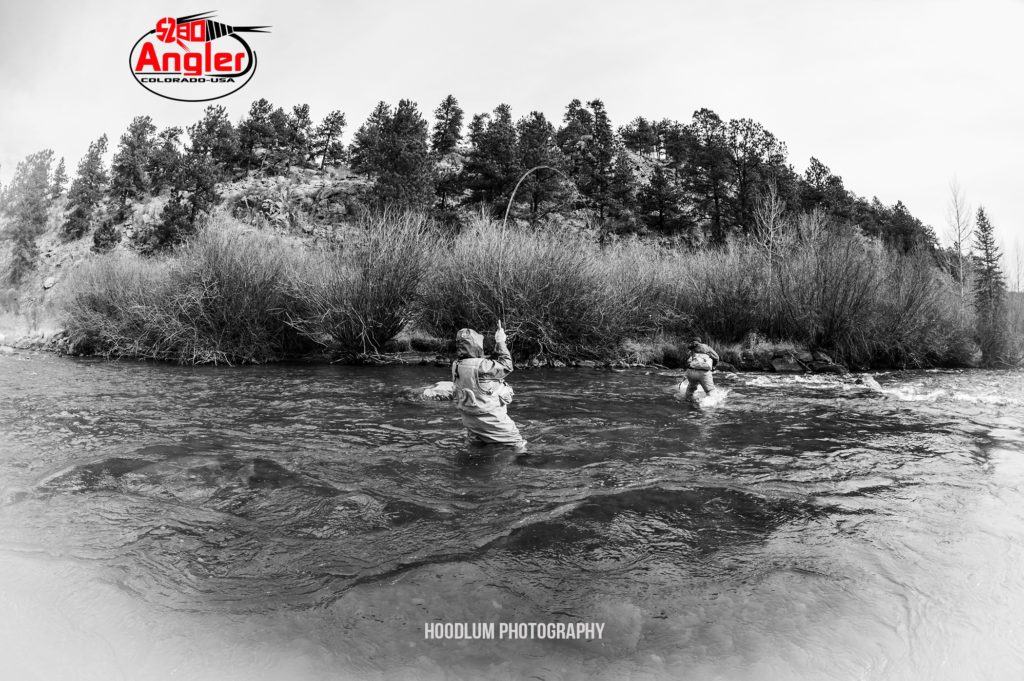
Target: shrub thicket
361,295
237,295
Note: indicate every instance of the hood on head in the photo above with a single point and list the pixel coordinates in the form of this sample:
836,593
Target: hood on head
469,343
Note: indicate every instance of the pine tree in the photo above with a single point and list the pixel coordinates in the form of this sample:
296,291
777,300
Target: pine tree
367,144
327,142
706,174
300,135
26,202
546,188
87,190
217,138
405,176
129,179
164,161
257,135
623,191
989,293
492,167
661,203
60,180
447,126
754,154
588,143
193,196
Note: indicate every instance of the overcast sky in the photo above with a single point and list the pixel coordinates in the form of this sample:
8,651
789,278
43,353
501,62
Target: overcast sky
895,96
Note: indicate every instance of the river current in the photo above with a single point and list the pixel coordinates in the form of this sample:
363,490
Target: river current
307,522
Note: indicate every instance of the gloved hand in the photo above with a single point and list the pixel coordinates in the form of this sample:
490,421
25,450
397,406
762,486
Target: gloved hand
499,335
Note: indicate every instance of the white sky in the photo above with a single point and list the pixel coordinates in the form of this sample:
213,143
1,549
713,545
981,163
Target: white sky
896,96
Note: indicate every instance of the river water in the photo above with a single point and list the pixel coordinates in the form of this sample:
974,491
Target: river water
295,522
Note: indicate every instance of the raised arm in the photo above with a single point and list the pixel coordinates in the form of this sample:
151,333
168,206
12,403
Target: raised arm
500,363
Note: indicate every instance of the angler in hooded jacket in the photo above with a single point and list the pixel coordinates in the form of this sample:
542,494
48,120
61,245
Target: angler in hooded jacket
700,363
480,390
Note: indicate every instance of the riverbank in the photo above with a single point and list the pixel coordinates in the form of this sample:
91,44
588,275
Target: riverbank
240,295
770,358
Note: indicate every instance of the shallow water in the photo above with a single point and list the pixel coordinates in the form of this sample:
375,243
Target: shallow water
307,522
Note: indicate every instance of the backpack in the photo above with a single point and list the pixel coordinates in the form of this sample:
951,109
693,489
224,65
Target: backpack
699,361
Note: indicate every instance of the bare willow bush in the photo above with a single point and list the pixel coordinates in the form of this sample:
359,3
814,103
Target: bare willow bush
360,296
235,295
116,307
556,295
230,289
220,299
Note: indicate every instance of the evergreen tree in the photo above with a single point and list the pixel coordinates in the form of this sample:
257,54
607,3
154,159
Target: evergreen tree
60,180
989,293
327,142
257,135
821,189
129,179
163,163
26,202
754,154
639,135
106,237
217,138
447,126
542,189
299,135
406,177
279,144
393,146
588,143
492,167
661,203
367,144
87,190
623,191
706,175
193,196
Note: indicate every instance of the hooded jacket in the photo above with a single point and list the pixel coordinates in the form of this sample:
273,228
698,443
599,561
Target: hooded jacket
479,381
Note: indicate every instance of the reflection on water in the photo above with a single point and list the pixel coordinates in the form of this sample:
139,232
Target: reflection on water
305,522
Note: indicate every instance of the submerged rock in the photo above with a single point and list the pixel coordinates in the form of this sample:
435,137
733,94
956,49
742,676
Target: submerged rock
869,382
442,390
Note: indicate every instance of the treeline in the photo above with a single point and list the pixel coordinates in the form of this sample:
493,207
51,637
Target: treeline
697,181
704,183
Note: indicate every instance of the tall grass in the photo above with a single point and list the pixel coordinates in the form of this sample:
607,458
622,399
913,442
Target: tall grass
237,295
221,299
555,295
359,296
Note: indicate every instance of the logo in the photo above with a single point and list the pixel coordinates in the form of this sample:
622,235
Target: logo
194,58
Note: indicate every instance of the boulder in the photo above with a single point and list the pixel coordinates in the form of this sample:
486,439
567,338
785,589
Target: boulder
804,356
586,364
49,282
786,365
557,363
820,356
821,367
725,367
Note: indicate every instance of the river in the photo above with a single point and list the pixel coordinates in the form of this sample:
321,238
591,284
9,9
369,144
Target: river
307,522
